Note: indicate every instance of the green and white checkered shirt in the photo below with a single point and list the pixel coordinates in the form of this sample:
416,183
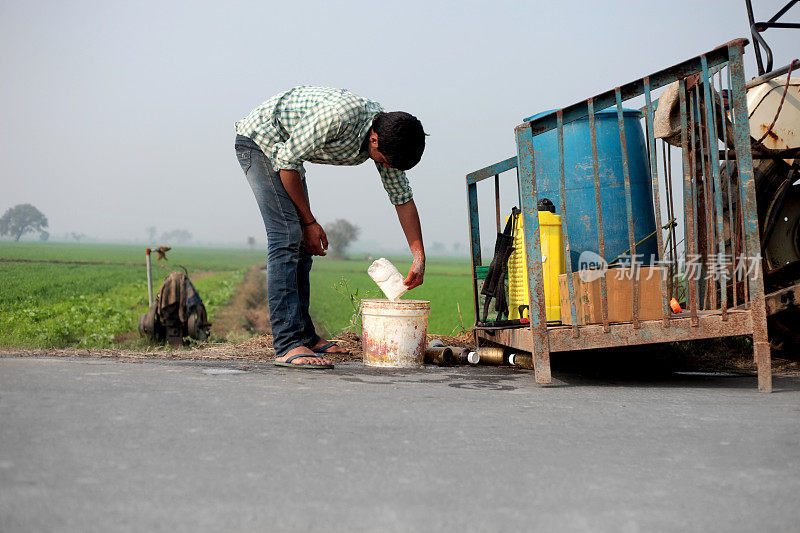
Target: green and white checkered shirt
319,125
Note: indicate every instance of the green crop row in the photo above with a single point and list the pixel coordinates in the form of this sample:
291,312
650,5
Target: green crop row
338,286
195,258
45,305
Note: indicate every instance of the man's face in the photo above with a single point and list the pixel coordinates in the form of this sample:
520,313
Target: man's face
372,147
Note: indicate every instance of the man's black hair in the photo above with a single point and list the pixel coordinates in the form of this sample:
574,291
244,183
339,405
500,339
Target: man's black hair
401,138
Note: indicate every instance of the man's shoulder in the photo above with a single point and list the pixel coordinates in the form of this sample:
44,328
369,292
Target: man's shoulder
343,100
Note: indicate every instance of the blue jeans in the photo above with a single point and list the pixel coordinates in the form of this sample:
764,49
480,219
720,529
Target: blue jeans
288,262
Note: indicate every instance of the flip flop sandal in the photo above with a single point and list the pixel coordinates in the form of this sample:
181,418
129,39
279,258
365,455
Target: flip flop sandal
288,363
324,347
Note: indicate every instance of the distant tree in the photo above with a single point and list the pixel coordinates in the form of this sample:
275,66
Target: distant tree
151,233
22,219
176,236
341,234
251,242
438,248
77,237
43,236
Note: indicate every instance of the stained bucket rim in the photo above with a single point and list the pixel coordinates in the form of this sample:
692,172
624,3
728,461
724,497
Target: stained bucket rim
385,303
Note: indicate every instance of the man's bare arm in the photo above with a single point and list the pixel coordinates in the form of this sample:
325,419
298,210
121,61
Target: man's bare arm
314,238
409,221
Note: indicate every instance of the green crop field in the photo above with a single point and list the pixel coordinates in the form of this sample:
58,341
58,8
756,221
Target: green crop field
196,259
448,286
91,295
99,296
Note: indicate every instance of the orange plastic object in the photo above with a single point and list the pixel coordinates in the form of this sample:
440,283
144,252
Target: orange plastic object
675,306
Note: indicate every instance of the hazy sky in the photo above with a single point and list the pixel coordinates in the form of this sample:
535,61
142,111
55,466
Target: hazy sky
119,115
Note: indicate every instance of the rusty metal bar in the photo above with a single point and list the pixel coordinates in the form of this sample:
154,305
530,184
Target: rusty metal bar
666,151
747,199
713,144
789,153
474,242
653,157
540,345
712,71
709,326
756,47
668,200
740,228
674,226
497,201
739,222
781,300
694,103
731,214
709,295
688,203
624,334
601,245
628,208
774,74
565,225
632,89
695,196
700,196
732,233
491,170
743,253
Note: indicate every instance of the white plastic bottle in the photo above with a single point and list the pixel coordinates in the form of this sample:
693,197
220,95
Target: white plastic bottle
388,278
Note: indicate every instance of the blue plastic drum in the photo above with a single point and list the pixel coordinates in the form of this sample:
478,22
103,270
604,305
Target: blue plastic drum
581,207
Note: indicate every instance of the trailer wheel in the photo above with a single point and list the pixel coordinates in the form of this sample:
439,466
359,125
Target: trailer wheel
147,325
783,338
778,203
196,327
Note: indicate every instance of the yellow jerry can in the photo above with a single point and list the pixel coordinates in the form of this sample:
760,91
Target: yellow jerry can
552,263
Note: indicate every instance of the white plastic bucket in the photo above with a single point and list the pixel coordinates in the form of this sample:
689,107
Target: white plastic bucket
394,333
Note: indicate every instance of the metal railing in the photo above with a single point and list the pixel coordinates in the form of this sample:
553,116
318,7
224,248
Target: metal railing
718,219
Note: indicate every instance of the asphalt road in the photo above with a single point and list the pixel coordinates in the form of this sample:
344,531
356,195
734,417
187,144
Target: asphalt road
98,445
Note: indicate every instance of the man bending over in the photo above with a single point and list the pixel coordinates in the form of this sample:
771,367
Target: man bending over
332,127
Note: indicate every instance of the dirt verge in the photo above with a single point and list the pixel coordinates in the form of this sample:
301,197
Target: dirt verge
256,349
620,363
246,314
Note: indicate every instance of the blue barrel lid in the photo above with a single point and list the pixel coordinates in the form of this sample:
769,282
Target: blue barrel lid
599,114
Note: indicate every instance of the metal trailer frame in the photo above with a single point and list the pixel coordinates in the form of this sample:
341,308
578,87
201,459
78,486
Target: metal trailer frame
732,305
757,28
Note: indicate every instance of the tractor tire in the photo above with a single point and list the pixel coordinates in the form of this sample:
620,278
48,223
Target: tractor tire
143,327
784,337
196,327
147,325
782,245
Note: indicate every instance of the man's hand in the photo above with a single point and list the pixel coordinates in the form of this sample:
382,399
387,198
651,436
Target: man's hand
416,273
409,221
315,240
